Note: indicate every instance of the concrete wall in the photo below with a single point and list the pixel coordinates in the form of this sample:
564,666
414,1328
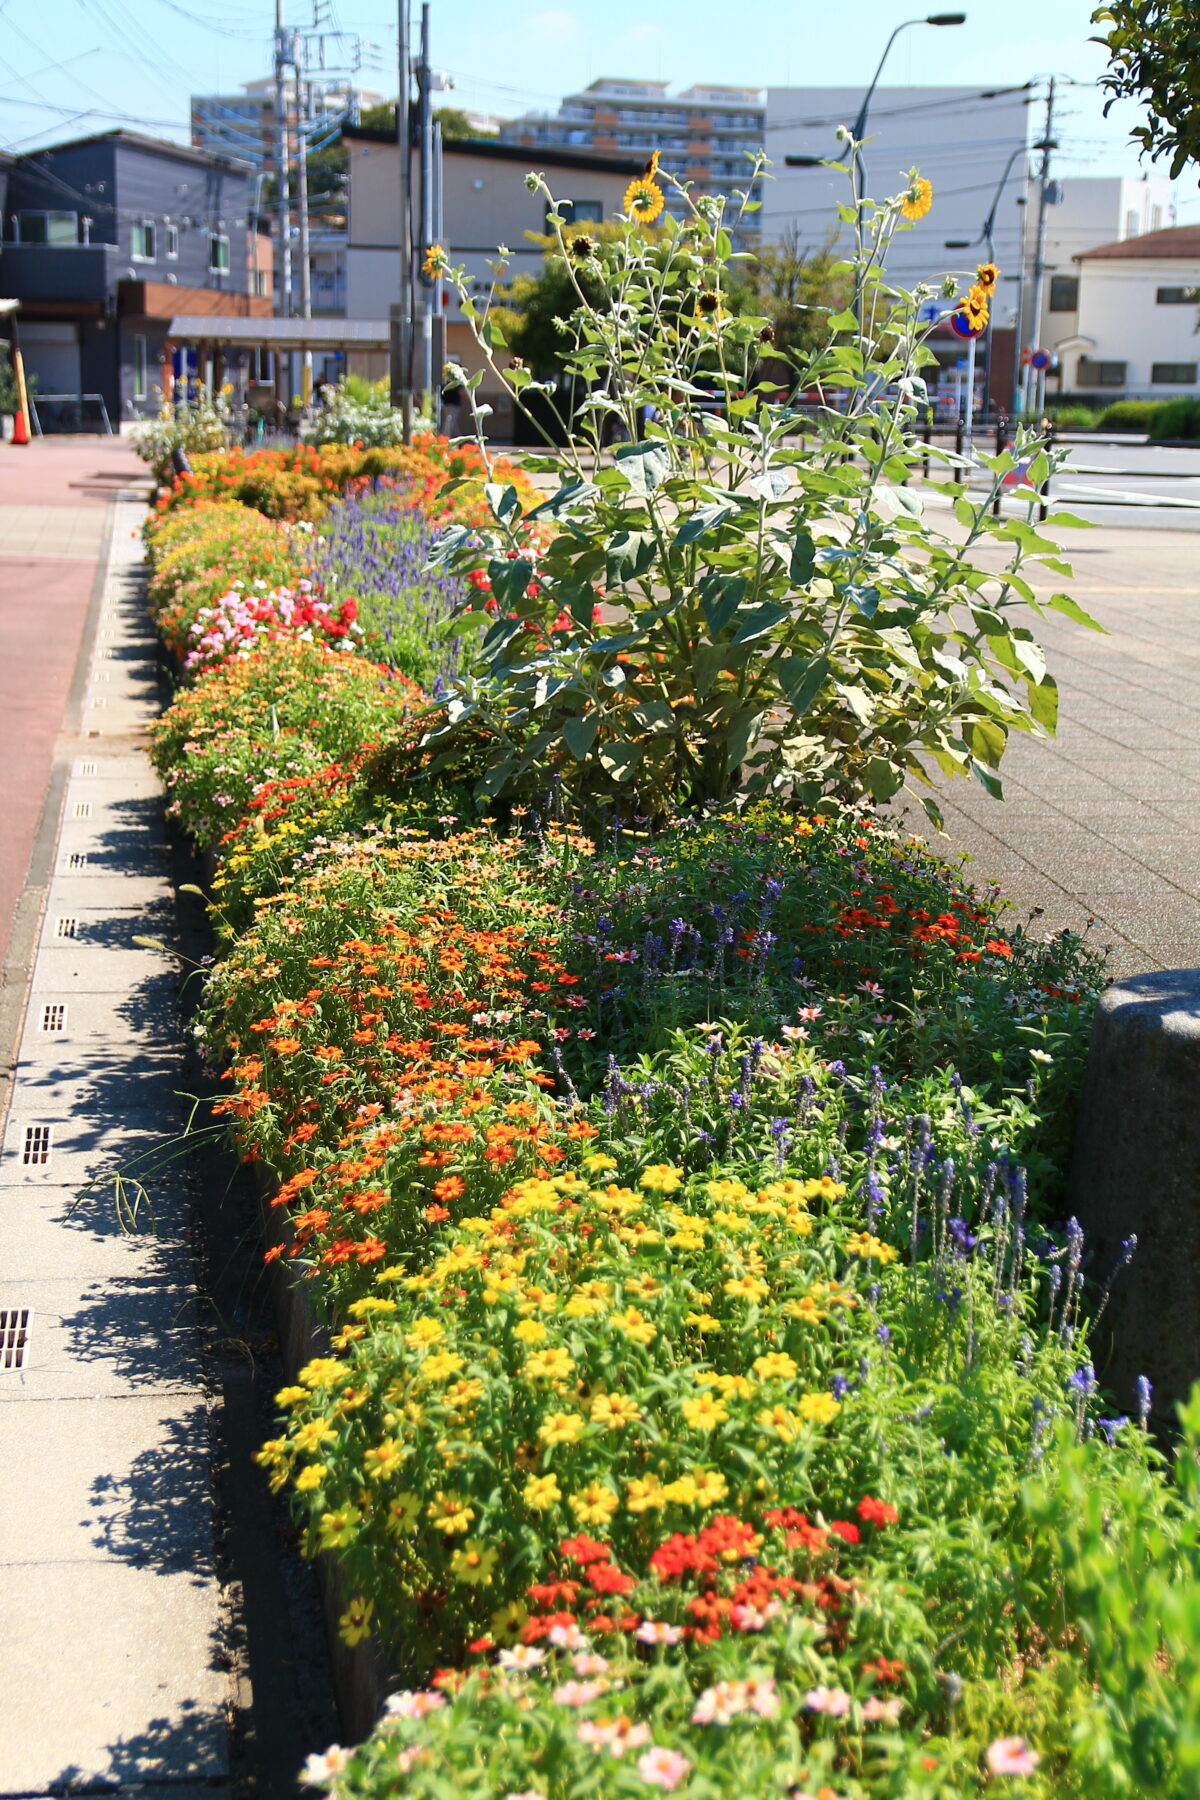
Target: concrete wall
958,141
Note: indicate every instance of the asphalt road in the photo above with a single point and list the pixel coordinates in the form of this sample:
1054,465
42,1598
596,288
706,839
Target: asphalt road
1130,483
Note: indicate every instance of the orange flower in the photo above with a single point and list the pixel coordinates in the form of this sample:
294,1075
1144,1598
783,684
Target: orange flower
450,1188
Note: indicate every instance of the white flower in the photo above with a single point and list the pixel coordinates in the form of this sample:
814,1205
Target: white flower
522,1659
323,1765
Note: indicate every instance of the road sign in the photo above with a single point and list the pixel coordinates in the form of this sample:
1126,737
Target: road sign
1040,359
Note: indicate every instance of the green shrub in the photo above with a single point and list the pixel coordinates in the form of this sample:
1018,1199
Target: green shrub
1130,415
1177,419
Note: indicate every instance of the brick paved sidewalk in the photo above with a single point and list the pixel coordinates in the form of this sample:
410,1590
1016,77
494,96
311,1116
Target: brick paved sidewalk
1104,821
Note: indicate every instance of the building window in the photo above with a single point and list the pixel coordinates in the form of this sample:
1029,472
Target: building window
172,242
59,228
258,283
143,240
577,212
139,368
1064,293
218,254
1100,374
1173,374
1132,223
1156,218
1177,296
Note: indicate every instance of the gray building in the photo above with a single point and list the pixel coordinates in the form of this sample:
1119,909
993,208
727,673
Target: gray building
105,239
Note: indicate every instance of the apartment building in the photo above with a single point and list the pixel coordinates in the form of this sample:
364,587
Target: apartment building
704,135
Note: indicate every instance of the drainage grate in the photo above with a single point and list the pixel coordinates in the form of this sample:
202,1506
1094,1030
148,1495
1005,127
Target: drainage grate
87,768
54,1016
77,859
37,1145
66,928
82,809
16,1322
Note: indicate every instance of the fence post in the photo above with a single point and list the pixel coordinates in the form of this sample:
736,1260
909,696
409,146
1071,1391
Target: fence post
959,435
927,439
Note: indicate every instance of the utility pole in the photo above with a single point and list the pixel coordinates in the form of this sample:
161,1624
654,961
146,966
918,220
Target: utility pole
283,305
439,292
1039,254
305,261
426,233
402,339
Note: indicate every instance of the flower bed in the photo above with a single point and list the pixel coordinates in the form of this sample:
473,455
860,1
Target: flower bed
707,1406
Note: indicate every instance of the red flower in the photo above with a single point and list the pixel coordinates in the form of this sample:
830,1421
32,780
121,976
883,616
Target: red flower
876,1512
843,1529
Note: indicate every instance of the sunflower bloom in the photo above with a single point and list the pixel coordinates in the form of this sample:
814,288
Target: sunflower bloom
917,198
643,200
434,261
986,276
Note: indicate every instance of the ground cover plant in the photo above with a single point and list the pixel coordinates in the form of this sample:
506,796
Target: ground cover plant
707,1405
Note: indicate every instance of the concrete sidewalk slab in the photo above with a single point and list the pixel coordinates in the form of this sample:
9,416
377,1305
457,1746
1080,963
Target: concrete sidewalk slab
102,1339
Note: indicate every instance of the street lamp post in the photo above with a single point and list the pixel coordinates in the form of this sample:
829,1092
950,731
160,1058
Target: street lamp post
987,237
859,128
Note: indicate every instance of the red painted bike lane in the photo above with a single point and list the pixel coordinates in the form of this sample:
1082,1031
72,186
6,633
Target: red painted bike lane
55,501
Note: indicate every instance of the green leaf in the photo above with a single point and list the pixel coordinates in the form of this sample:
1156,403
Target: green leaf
621,758
759,620
933,812
802,680
882,778
987,779
720,597
859,702
566,497
646,466
509,580
803,559
630,554
655,717
502,500
1043,702
702,521
985,739
1070,609
579,735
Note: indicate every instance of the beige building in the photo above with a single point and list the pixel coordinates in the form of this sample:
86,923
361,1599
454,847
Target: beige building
485,203
1133,333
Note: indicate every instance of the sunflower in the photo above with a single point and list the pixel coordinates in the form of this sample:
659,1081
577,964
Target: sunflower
643,200
651,168
917,198
986,276
582,246
434,261
709,310
975,307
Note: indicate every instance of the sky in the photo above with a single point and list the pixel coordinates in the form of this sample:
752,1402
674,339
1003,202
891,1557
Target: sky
72,66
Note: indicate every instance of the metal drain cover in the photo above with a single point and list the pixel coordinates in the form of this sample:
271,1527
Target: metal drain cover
15,1325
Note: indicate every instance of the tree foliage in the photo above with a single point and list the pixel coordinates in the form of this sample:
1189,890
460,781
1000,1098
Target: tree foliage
1154,54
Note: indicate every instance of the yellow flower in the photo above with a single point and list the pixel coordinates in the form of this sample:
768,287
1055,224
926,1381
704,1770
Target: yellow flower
746,1287
644,1493
987,275
635,1325
382,1460
313,1434
779,1420
310,1477
549,1365
355,1623
819,1409
775,1366
541,1492
643,200
594,1505
291,1396
362,1309
805,1309
450,1513
403,1513
723,1192
862,1243
917,198
682,1491
441,1365
583,1306
710,1488
434,261
702,1321
562,1428
661,1178
424,1332
473,1564
704,1414
323,1372
597,1162
507,1623
612,1411
531,1331
339,1528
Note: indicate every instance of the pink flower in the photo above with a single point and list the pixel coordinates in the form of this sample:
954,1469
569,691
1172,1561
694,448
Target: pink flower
832,1700
579,1693
526,1794
753,1618
614,1735
808,1012
588,1663
522,1659
663,1769
656,1631
409,1705
1012,1756
723,1701
567,1637
322,1765
888,1711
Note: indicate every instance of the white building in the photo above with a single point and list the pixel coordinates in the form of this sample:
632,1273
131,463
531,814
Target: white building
1134,331
1089,212
957,138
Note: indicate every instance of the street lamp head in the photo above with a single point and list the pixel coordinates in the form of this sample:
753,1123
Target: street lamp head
804,162
957,244
946,19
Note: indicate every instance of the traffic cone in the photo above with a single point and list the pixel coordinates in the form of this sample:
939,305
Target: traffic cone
21,422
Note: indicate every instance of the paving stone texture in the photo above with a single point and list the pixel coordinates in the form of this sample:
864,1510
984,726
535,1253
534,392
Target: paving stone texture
1103,822
111,1607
